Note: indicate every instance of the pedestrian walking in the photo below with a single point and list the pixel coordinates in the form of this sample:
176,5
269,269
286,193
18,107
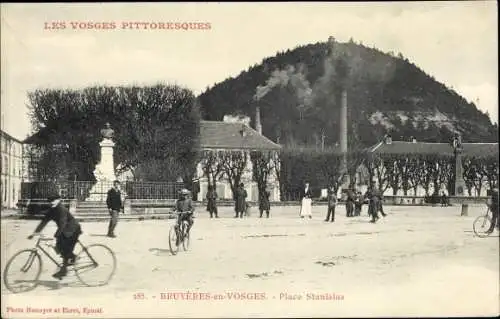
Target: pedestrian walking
332,202
115,205
444,200
306,204
372,211
212,201
264,203
380,201
349,203
240,201
358,204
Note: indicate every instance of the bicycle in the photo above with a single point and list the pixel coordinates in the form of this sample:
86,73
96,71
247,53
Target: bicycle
482,224
84,264
179,232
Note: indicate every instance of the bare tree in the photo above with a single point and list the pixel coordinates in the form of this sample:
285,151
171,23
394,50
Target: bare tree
233,164
211,164
263,165
415,170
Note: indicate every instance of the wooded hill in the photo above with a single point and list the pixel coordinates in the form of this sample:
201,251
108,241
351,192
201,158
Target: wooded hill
297,91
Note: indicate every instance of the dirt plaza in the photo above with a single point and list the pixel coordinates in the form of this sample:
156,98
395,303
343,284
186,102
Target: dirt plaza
418,261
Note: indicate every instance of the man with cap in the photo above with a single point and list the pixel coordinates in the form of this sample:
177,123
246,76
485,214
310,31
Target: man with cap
115,205
68,231
240,201
184,207
493,205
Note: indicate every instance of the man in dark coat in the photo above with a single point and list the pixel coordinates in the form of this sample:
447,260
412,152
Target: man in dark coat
380,198
115,205
212,201
264,204
240,201
372,204
68,231
358,204
349,203
493,205
332,202
184,206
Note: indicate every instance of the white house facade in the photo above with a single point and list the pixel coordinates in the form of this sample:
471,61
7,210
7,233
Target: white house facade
231,136
12,170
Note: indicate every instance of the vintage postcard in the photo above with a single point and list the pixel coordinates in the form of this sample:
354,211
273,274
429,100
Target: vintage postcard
241,160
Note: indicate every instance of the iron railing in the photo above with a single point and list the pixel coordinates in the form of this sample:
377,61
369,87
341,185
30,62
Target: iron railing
87,190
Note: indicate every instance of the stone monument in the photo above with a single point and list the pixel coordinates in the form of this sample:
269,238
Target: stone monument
105,170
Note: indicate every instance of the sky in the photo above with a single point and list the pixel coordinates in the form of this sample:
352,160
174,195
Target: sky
455,42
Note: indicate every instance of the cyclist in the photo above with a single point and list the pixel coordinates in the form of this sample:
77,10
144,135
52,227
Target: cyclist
184,207
494,209
68,231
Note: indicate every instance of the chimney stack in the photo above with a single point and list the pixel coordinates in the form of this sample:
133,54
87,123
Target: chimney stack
258,125
343,122
343,138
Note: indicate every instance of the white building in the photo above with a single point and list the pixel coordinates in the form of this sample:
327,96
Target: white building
12,170
231,136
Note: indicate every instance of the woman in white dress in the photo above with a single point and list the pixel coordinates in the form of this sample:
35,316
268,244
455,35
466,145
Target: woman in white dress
306,204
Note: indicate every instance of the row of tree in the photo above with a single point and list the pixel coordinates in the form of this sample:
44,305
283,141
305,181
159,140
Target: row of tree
156,131
294,166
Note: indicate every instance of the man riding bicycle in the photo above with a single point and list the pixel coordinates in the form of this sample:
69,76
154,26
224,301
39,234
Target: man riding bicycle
493,205
184,207
68,231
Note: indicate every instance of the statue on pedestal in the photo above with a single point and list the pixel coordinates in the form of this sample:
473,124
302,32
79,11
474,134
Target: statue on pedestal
107,132
105,169
457,143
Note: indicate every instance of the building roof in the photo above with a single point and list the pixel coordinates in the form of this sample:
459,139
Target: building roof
7,136
228,135
213,135
469,149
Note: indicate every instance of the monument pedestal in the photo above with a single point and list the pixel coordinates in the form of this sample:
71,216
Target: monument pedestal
104,171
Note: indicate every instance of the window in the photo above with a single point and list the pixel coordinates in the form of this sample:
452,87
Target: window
5,191
5,166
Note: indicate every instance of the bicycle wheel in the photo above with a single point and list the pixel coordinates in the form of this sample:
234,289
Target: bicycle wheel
172,240
25,264
481,226
185,241
95,265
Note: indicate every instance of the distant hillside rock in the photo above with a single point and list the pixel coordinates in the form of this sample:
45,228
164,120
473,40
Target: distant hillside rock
298,95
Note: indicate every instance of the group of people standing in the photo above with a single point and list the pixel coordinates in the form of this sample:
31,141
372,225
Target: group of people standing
354,203
241,206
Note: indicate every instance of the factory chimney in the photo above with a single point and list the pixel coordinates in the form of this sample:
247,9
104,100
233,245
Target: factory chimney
258,125
343,137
